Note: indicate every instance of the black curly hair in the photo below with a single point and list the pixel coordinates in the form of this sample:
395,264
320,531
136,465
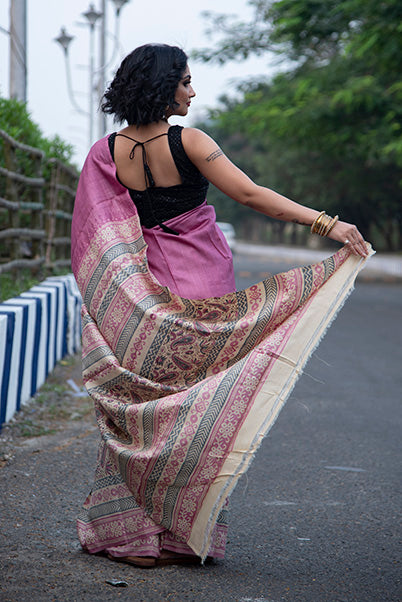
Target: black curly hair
145,84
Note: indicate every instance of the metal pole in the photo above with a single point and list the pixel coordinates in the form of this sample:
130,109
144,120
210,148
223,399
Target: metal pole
64,40
18,55
91,83
102,69
91,16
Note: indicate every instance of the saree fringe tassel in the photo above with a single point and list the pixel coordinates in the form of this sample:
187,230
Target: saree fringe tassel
184,390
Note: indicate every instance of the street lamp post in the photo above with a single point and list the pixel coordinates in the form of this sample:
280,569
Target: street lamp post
18,52
64,40
92,17
102,68
118,5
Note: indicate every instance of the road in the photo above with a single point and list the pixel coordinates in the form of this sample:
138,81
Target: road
316,519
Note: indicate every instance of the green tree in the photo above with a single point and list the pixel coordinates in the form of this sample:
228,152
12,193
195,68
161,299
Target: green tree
16,121
330,127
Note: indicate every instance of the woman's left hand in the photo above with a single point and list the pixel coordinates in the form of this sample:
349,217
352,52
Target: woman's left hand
349,235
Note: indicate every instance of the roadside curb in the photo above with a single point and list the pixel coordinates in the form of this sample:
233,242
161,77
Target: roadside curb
37,329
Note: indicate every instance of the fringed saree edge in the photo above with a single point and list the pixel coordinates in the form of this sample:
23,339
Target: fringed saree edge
316,318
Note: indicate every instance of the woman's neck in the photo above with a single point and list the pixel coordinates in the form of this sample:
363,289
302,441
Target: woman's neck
146,131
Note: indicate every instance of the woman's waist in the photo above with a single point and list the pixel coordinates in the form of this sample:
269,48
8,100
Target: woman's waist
159,208
198,218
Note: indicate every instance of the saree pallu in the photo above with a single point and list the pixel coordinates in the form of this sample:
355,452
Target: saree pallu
184,390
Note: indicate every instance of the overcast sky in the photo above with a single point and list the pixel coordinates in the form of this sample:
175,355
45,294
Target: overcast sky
177,23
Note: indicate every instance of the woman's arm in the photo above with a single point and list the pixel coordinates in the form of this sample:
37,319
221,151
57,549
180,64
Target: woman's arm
220,171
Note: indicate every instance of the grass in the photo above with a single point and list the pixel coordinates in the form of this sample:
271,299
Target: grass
29,428
13,284
53,407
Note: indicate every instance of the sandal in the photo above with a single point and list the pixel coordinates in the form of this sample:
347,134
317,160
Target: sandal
165,559
145,562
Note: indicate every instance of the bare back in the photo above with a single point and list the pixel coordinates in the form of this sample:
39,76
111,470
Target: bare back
130,171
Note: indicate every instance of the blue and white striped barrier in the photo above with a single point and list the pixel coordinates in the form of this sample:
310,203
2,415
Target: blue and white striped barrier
37,329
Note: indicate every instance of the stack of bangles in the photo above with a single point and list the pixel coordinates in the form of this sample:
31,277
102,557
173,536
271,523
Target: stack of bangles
323,224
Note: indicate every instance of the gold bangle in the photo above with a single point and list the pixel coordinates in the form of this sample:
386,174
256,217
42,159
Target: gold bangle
324,226
315,224
321,224
328,226
334,220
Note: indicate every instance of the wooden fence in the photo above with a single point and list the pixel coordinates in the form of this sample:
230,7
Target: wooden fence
36,205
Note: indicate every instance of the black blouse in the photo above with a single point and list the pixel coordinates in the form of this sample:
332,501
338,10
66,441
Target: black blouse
157,204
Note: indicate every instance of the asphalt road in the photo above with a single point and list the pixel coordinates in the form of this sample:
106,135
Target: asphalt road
316,519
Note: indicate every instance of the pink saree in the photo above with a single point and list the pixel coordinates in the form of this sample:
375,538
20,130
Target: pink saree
184,390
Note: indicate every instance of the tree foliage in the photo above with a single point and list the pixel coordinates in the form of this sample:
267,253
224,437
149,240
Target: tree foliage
16,121
327,131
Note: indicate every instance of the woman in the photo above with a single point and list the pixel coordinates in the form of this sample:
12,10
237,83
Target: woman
186,374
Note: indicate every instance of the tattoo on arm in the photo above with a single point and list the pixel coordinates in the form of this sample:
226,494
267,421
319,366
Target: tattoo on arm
296,221
217,153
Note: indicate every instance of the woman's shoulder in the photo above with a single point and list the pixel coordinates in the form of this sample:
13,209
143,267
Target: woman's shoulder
100,150
194,134
196,142
186,133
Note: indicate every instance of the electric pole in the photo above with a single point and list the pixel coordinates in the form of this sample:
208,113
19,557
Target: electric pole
18,53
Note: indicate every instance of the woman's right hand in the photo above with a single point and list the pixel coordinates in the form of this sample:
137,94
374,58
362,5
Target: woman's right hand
349,235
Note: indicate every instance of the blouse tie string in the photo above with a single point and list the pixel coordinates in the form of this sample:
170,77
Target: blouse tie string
149,180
